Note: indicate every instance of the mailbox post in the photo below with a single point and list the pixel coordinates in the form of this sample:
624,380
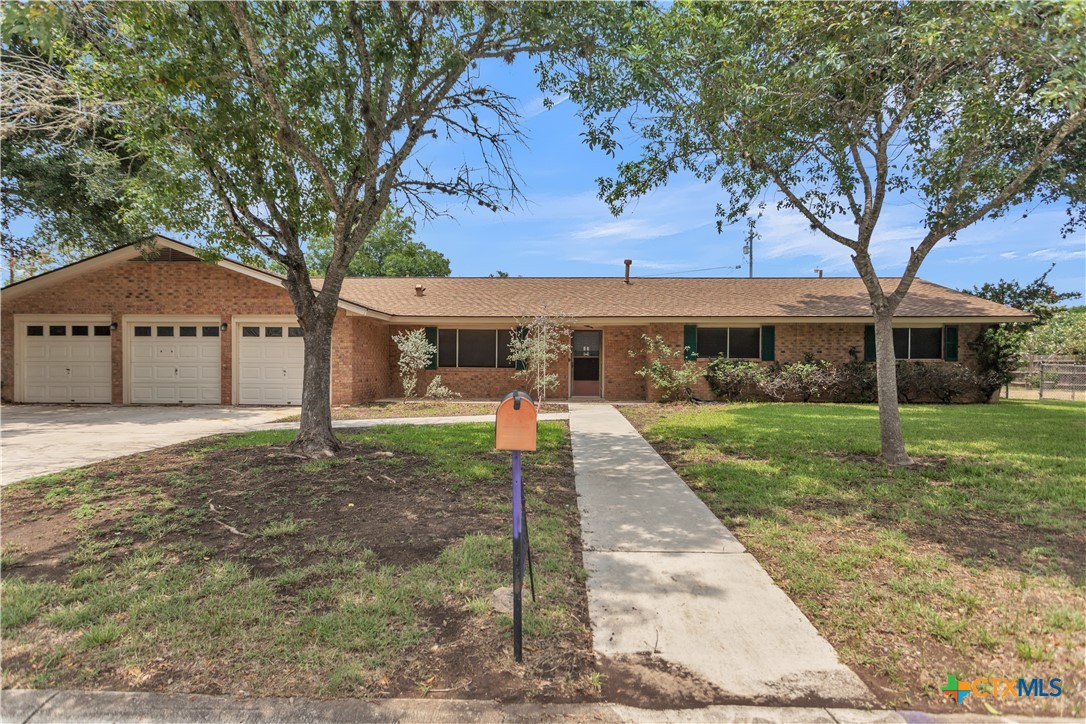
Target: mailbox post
515,430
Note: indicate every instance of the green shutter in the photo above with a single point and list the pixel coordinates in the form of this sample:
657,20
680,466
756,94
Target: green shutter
690,341
869,343
950,343
431,337
519,333
769,342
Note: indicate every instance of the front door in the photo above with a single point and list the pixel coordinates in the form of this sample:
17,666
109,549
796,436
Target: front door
586,364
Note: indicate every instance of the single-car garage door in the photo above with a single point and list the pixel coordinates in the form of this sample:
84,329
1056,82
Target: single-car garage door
65,361
271,358
174,362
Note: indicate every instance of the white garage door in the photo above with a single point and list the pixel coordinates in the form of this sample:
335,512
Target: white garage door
271,358
66,362
175,362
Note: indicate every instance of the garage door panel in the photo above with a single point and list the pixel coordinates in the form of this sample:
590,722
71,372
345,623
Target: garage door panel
175,366
68,365
270,364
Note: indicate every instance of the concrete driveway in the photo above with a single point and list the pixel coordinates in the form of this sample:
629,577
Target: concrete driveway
40,439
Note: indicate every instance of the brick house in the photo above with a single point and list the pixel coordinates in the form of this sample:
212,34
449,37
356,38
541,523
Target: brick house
123,328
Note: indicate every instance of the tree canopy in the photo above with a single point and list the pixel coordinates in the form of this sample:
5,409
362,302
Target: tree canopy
273,126
389,251
834,110
63,163
1038,297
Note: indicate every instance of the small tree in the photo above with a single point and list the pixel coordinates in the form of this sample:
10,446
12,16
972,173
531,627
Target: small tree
536,344
666,368
415,353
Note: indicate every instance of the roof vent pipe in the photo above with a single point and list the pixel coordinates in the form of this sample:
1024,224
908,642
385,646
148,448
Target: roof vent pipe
419,289
627,262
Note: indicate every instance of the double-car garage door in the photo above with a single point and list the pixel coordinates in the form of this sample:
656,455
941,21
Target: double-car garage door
167,361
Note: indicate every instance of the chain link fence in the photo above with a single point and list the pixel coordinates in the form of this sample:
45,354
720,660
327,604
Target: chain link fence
1049,378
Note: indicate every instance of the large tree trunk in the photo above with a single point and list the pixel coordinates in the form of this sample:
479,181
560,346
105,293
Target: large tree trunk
893,444
315,436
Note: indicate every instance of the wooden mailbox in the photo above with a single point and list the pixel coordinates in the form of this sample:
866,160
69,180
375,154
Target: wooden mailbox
515,423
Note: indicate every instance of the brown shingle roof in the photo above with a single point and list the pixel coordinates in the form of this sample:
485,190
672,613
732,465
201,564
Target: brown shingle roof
654,297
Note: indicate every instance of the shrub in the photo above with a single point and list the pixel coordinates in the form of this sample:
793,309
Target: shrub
912,380
415,353
729,378
942,382
806,379
666,368
856,382
438,391
999,352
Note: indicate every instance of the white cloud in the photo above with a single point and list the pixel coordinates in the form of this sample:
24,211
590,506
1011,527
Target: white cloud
537,105
1057,255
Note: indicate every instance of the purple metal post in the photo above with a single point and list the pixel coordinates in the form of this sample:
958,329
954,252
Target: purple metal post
518,556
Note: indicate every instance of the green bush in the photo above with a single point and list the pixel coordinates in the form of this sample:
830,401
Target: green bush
856,382
805,380
666,368
730,378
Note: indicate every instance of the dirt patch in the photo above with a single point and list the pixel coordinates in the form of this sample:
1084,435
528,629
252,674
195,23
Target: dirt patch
650,682
307,536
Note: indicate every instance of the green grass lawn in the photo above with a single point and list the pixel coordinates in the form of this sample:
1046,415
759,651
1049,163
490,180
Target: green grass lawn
973,562
367,574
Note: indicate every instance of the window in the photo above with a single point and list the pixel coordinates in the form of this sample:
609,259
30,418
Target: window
473,347
142,331
294,332
210,331
477,348
35,330
188,331
80,330
918,343
731,342
446,348
273,331
57,330
101,330
164,332
250,331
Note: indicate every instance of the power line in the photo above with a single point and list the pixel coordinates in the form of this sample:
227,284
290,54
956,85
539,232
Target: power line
691,271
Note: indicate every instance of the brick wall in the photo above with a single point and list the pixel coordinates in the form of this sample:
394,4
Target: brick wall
371,371
168,288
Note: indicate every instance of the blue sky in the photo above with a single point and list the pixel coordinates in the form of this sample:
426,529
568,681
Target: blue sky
563,229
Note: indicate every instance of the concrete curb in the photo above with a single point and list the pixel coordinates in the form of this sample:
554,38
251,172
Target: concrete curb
23,706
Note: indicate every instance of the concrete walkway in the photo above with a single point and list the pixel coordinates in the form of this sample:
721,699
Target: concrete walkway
665,576
40,439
